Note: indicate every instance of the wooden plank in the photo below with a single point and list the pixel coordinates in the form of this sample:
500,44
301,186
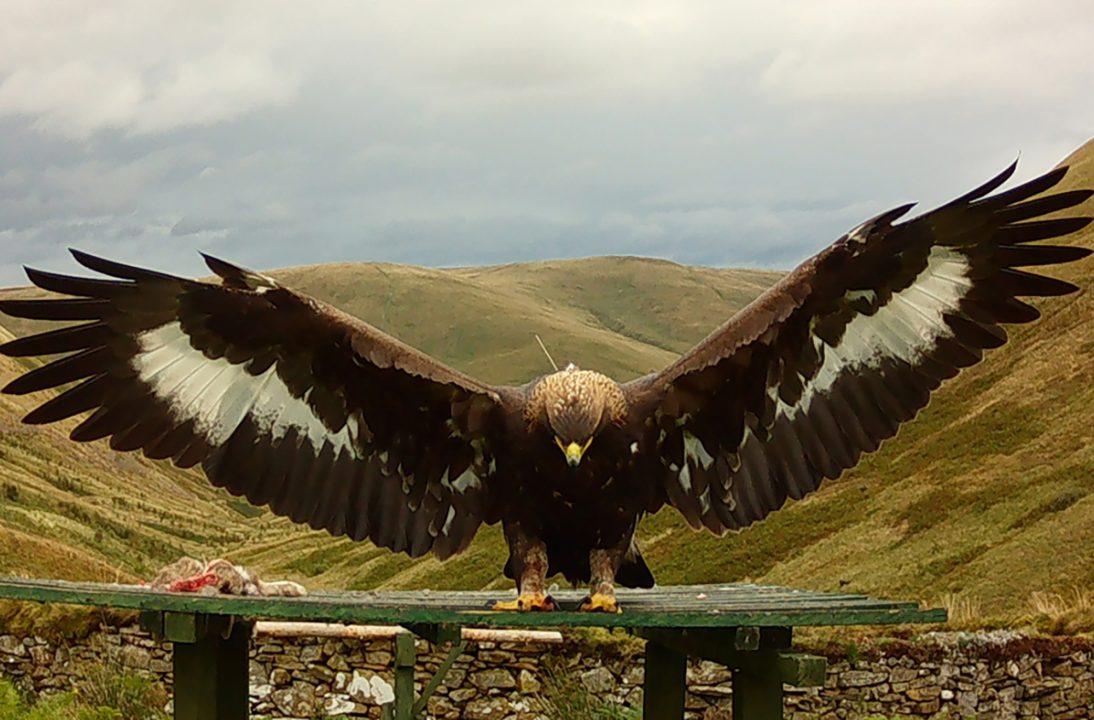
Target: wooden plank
211,676
664,685
387,632
511,636
673,593
718,606
801,670
405,658
664,597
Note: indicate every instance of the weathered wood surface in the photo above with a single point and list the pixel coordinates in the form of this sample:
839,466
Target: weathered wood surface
297,629
729,605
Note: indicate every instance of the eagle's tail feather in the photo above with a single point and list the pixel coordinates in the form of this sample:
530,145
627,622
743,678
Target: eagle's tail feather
634,572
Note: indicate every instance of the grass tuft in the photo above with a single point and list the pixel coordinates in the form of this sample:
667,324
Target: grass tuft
105,692
563,697
1063,613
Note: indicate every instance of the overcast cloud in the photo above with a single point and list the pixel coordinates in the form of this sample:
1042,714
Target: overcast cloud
728,133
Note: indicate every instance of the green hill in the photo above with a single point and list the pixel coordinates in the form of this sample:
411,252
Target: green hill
985,499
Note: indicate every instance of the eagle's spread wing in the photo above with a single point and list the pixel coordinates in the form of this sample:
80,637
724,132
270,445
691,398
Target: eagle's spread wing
831,360
280,398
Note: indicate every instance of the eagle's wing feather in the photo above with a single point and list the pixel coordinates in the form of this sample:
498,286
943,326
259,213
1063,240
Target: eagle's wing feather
279,397
830,361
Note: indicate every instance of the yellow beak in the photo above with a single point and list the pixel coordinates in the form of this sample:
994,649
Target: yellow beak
574,451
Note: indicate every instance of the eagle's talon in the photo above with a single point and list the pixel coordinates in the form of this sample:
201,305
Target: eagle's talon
599,602
530,602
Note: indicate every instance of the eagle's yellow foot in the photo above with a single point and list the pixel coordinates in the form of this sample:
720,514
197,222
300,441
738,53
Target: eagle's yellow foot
599,602
529,602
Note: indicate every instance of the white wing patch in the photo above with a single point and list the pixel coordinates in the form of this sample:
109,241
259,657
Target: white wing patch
696,453
907,327
467,479
217,395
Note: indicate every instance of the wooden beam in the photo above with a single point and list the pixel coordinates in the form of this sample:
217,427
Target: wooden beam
405,659
717,644
801,670
771,655
664,686
270,628
211,676
438,677
513,636
276,628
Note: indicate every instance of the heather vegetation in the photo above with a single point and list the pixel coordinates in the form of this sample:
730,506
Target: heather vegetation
106,692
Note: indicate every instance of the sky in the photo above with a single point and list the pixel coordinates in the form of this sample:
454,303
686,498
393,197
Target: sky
724,133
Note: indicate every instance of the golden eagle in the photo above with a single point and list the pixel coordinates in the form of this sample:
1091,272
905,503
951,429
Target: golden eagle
293,404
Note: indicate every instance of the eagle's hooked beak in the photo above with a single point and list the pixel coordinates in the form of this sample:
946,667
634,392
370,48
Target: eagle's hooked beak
573,451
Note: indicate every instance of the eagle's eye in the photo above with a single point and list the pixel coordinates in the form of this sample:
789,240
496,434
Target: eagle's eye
573,450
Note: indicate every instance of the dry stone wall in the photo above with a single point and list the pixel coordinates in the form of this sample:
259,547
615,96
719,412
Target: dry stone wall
997,675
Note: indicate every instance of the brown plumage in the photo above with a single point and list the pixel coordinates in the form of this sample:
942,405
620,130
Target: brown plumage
575,403
329,421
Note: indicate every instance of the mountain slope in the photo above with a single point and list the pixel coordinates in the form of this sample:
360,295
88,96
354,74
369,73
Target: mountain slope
986,496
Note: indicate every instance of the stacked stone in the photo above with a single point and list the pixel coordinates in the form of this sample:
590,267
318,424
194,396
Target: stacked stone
983,675
297,678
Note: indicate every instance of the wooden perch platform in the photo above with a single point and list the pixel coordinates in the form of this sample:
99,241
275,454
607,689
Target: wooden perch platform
742,626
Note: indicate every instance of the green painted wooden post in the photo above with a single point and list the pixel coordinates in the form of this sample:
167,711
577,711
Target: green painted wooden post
211,673
404,677
665,683
758,694
758,682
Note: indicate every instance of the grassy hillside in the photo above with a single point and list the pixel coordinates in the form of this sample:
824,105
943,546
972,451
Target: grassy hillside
984,500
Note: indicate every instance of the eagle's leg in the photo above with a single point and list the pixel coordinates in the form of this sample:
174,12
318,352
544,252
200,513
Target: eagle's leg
530,566
603,565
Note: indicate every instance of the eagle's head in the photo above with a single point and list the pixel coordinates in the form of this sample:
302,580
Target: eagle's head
575,405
